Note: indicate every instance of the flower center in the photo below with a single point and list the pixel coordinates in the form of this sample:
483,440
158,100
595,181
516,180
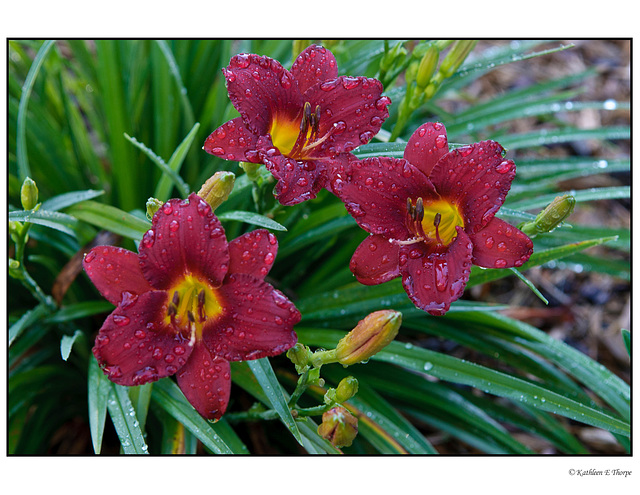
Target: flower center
435,221
296,138
192,303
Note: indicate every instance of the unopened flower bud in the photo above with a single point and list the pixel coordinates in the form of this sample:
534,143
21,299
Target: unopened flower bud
217,188
299,355
29,194
338,426
347,388
395,54
553,215
427,67
153,205
456,56
14,269
251,169
370,336
411,72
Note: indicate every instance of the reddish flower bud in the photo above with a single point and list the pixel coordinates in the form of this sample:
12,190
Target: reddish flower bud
370,336
338,426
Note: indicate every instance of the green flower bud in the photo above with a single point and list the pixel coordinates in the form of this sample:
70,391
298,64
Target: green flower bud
299,355
551,217
14,269
217,188
427,67
456,56
29,194
396,54
251,169
370,336
153,205
411,73
338,426
347,388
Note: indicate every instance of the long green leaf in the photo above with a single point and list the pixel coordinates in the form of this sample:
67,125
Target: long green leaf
52,219
454,370
175,162
99,387
169,397
110,218
24,170
253,219
556,136
182,186
67,199
125,421
267,379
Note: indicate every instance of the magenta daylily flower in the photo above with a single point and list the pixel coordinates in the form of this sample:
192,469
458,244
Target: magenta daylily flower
188,303
431,215
302,124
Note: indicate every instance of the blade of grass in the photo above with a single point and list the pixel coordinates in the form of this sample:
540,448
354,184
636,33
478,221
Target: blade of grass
167,395
267,379
454,370
125,422
24,169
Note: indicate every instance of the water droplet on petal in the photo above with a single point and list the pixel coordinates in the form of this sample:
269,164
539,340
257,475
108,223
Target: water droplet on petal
90,256
121,320
442,274
504,167
489,242
441,141
500,263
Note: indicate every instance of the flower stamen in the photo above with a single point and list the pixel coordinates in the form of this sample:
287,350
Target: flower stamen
436,224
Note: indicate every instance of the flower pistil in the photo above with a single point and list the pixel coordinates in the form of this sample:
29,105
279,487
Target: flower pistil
192,303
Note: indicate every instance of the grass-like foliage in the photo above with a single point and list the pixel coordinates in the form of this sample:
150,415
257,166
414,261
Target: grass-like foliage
102,126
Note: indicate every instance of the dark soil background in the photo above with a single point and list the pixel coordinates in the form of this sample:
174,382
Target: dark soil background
586,309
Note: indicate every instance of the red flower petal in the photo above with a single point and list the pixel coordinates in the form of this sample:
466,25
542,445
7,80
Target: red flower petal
233,141
253,253
259,321
116,273
135,346
352,111
206,382
315,64
477,178
426,146
434,278
258,87
500,245
375,260
376,194
185,238
297,180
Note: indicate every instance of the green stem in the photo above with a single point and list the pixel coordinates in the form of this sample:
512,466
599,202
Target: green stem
252,415
300,388
30,284
314,411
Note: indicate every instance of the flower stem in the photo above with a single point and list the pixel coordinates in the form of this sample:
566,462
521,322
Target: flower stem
300,388
21,273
